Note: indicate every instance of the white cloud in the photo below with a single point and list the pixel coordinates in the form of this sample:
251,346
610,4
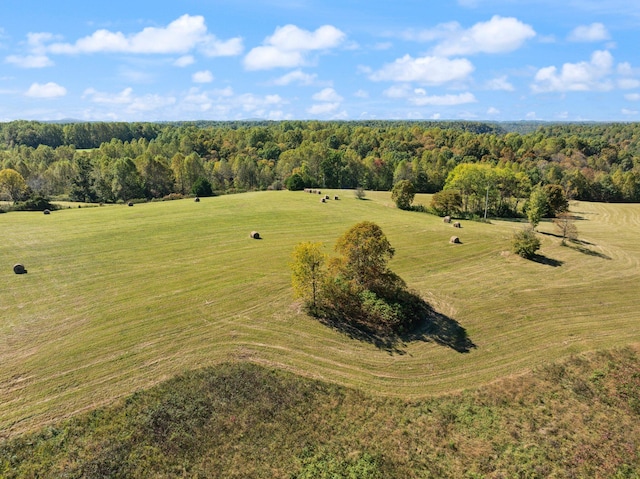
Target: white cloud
323,108
288,47
290,37
632,97
500,84
498,35
531,115
122,98
361,94
493,111
48,90
625,111
628,83
596,32
397,91
212,47
583,76
30,61
184,61
296,76
422,99
132,104
180,36
328,94
428,70
204,76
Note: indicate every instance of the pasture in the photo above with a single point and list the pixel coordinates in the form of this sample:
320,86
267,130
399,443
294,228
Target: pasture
119,298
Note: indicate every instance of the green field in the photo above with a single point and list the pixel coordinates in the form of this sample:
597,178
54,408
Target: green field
119,298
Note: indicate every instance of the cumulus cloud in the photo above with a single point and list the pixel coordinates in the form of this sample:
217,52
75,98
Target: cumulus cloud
47,90
493,111
296,76
500,84
289,46
204,76
30,61
132,104
180,36
419,96
323,108
422,99
596,32
632,97
184,61
583,76
328,94
428,70
498,35
361,94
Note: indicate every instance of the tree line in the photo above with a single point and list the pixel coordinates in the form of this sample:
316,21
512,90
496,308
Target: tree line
492,166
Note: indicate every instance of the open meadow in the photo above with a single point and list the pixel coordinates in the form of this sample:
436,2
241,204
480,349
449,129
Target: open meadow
118,298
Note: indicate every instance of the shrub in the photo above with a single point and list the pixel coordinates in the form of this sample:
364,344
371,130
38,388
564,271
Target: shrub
525,243
202,187
36,203
360,194
295,182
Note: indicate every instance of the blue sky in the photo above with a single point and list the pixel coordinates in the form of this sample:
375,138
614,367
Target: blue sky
568,60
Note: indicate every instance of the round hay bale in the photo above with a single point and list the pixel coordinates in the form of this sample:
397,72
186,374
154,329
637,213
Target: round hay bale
457,224
322,200
336,198
319,192
447,219
454,240
254,235
47,212
197,200
130,203
19,269
326,197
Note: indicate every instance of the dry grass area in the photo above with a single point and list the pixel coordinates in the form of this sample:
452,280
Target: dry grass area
117,299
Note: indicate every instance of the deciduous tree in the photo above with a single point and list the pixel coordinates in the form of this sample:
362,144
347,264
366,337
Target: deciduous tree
12,183
308,273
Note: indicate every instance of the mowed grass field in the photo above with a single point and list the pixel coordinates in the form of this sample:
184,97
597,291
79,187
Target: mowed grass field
119,298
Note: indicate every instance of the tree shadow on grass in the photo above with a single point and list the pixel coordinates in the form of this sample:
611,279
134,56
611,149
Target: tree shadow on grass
581,249
428,325
541,259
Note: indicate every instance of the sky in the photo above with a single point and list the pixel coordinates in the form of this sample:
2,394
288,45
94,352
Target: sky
479,60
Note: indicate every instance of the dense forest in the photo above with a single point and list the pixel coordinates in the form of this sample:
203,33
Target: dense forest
110,162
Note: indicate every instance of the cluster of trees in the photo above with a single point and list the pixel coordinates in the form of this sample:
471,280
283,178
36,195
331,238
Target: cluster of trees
357,287
119,161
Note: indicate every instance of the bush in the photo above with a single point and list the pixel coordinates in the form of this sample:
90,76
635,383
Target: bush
294,183
525,243
37,203
202,187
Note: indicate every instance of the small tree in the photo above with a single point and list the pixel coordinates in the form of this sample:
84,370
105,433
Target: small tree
538,206
556,199
12,183
360,194
308,273
403,193
366,251
525,243
447,202
565,223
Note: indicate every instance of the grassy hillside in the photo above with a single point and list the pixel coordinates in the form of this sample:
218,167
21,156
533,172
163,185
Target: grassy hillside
578,418
119,298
